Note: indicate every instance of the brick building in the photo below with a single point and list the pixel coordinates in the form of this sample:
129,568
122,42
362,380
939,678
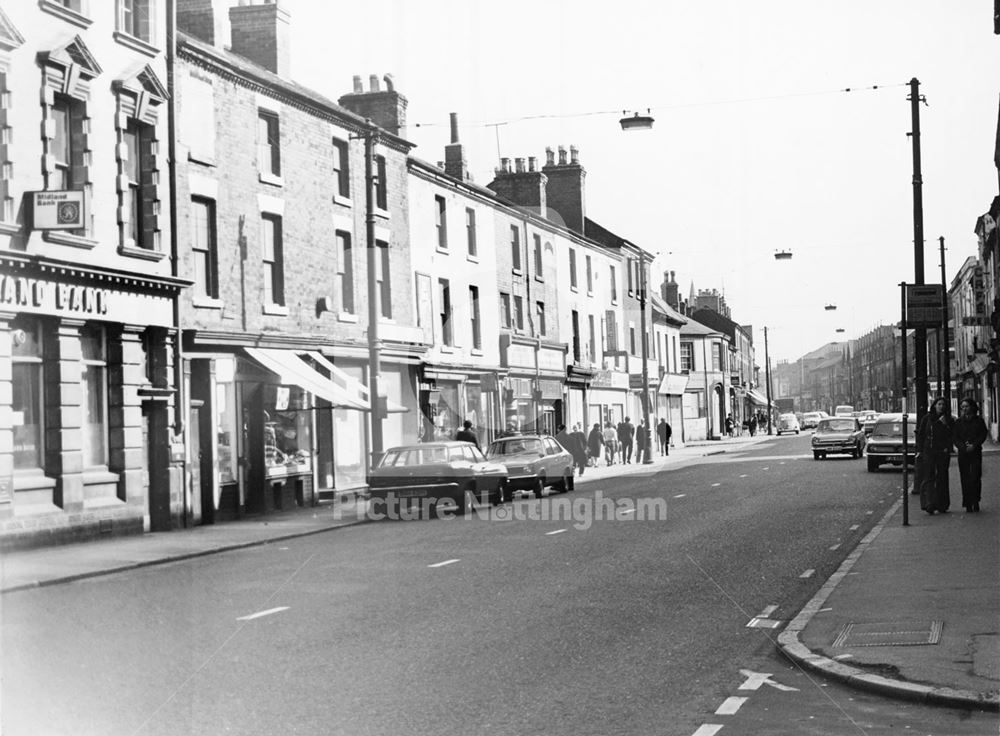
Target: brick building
88,431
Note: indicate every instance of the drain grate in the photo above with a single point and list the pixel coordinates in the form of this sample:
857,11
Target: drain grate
900,633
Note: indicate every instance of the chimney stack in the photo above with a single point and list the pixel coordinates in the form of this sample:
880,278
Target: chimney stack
454,155
206,20
565,189
525,186
260,33
385,108
668,290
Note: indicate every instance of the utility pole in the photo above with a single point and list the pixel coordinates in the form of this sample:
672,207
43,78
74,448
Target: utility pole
374,302
945,349
920,333
767,378
647,449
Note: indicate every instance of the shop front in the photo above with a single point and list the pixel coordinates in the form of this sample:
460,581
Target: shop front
608,397
90,449
532,397
670,397
450,396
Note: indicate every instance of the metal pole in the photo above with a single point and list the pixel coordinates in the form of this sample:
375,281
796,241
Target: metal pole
945,347
767,378
906,471
374,303
920,334
647,442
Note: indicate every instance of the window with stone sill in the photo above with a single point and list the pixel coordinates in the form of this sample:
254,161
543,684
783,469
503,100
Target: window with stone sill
342,168
135,18
268,146
273,258
74,11
345,272
381,186
204,248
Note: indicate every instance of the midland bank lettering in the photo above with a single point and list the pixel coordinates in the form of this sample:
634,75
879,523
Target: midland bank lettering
38,294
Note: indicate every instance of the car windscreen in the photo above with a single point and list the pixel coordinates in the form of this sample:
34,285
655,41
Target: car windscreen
834,425
414,456
515,447
894,429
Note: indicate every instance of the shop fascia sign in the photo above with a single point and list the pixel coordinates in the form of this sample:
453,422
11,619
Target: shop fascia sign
59,209
37,294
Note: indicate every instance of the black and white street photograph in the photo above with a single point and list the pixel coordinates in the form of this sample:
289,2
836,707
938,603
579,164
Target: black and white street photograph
462,368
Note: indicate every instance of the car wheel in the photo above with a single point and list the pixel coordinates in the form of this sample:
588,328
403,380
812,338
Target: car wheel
568,483
872,464
465,499
815,455
539,487
796,431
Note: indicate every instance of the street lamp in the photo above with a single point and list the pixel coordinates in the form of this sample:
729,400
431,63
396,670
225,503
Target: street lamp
647,449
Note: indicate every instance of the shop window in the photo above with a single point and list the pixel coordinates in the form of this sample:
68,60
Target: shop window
287,431
94,382
205,247
226,421
28,385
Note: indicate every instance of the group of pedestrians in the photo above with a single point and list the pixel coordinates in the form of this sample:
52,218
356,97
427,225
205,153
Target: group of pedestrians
618,444
937,434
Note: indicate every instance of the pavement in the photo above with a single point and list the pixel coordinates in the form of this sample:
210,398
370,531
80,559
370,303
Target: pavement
870,625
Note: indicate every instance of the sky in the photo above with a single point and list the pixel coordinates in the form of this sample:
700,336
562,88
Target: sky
755,148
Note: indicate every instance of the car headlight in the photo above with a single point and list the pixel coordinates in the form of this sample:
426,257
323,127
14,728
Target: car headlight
815,440
527,469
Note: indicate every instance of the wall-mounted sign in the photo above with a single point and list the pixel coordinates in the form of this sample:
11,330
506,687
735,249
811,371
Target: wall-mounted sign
58,210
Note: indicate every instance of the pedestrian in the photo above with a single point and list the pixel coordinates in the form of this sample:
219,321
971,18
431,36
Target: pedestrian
753,424
668,433
640,441
661,436
595,443
578,441
626,433
466,434
729,425
969,433
934,442
610,443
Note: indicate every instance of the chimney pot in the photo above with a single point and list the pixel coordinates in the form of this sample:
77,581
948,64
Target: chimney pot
358,86
373,83
441,164
574,155
550,156
532,163
519,165
505,165
562,155
454,127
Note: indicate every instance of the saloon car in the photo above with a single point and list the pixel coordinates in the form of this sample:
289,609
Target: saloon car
425,475
787,423
533,461
885,446
810,419
838,435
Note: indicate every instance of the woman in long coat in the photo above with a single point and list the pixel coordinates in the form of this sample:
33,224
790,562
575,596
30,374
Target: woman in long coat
595,442
970,433
934,442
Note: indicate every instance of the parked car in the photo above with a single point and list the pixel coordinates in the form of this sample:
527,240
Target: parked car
533,462
886,442
810,419
838,435
429,473
788,423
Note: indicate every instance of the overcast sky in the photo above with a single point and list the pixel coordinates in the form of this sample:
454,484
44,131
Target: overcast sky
754,148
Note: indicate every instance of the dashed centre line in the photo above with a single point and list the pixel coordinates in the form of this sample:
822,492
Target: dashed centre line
261,614
708,729
626,511
855,527
743,475
808,573
442,564
680,495
835,547
716,485
730,706
557,531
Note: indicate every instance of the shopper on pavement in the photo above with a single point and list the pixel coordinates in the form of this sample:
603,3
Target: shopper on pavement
595,443
626,433
663,436
610,443
934,442
969,434
579,447
640,441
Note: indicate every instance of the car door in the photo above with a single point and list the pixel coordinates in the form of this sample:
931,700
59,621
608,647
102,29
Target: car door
554,464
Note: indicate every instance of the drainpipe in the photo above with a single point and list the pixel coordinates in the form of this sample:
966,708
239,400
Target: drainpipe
180,397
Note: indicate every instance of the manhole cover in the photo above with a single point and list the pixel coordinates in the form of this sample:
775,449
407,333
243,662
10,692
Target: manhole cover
889,634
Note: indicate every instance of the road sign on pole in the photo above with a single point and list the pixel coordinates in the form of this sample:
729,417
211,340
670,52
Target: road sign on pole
923,305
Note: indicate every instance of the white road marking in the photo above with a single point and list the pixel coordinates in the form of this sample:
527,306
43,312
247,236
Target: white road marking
869,512
808,573
716,485
442,564
260,614
744,475
762,623
680,495
626,511
780,463
767,468
767,611
708,729
557,531
843,656
756,679
730,706
855,527
834,548
282,549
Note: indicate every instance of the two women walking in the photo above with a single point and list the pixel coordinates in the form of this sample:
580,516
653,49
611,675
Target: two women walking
937,434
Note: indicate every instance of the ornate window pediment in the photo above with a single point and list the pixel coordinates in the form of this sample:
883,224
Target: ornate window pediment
10,38
141,95
70,68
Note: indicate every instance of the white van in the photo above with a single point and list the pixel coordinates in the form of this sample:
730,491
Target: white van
844,410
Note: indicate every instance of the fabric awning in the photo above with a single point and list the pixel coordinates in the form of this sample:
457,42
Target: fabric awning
291,369
756,397
673,384
353,385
